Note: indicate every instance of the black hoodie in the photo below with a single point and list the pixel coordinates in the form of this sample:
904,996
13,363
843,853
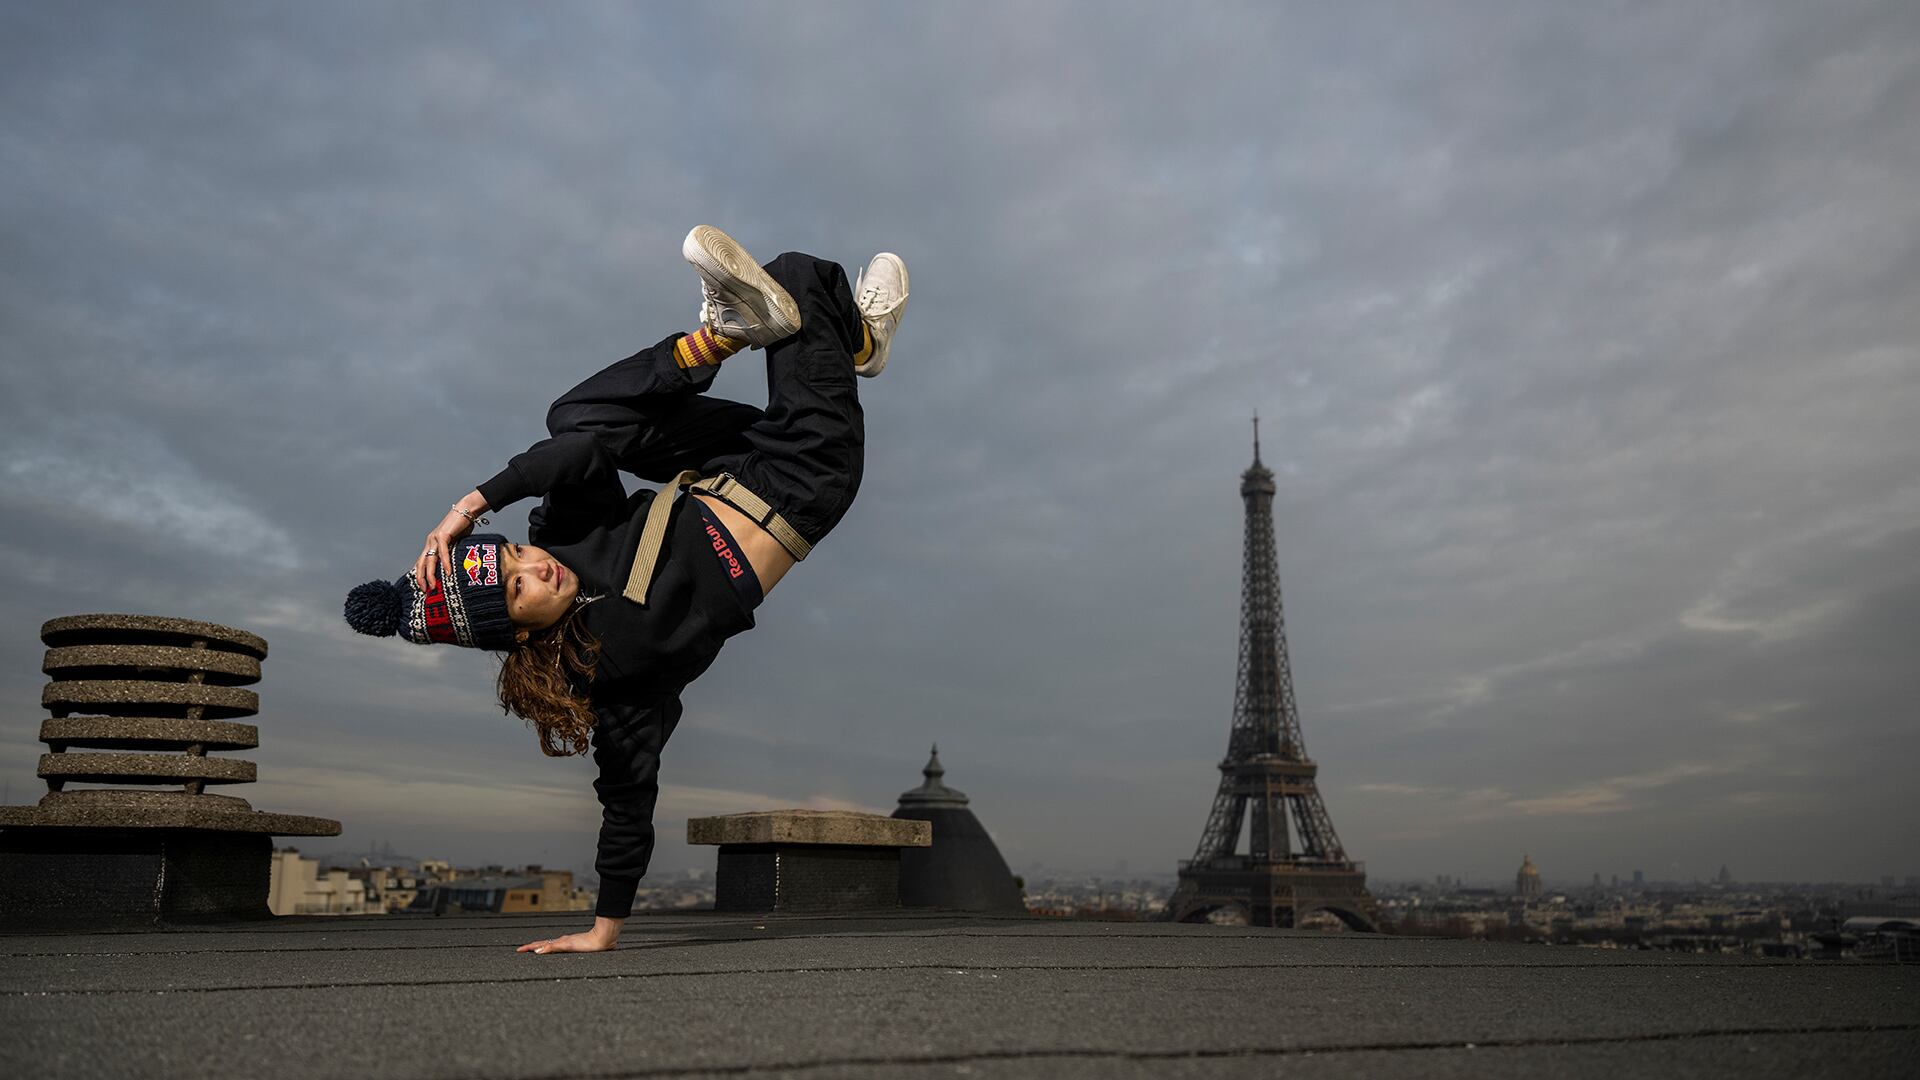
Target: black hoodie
648,653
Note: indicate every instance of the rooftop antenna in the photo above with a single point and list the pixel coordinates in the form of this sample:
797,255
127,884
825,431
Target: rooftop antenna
1256,437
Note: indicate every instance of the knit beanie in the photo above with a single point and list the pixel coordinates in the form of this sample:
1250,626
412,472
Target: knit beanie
468,606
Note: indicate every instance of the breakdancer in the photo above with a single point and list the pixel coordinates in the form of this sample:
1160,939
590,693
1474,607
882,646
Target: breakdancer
618,601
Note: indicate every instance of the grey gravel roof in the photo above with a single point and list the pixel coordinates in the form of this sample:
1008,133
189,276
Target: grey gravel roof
915,995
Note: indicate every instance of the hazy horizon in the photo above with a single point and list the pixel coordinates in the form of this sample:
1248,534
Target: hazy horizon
1122,870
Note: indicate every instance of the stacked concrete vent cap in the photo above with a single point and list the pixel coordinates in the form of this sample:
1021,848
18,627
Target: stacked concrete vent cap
963,869
144,700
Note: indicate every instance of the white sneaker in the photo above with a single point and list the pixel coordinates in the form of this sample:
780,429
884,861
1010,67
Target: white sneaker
741,301
881,295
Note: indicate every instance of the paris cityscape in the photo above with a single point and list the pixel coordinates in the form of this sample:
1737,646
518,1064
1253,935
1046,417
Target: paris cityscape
1290,870
1386,542
1268,856
1719,914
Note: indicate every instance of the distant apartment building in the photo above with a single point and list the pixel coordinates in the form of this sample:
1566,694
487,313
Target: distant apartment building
297,886
389,888
514,891
504,894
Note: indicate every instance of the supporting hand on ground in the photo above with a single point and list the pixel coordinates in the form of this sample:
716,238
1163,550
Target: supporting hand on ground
437,557
602,937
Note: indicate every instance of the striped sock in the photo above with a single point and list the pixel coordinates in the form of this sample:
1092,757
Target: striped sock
704,348
866,346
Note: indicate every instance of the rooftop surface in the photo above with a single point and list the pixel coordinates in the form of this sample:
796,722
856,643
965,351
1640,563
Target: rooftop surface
919,995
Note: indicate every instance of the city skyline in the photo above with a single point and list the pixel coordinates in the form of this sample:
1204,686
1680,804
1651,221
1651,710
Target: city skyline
1566,880
1584,343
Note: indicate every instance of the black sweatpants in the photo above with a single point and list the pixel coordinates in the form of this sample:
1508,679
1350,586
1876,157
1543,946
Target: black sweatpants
803,453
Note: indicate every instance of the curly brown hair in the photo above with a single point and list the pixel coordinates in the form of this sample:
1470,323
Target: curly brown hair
537,680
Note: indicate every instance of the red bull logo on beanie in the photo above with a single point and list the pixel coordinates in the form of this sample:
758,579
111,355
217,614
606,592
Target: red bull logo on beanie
482,564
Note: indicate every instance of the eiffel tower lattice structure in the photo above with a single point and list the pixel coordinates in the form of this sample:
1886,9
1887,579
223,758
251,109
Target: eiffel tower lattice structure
1267,776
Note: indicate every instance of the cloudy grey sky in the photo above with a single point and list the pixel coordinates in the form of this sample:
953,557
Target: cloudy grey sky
1583,335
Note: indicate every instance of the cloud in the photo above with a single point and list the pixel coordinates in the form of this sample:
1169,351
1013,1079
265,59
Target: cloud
121,479
1611,795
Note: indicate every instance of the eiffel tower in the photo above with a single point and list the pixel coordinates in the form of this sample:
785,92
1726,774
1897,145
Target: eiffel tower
1268,772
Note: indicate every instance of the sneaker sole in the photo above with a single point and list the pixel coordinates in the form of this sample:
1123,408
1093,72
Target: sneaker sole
726,265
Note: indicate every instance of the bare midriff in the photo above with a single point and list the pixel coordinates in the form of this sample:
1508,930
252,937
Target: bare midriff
770,560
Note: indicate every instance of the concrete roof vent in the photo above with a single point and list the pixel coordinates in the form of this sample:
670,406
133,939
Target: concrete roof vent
143,700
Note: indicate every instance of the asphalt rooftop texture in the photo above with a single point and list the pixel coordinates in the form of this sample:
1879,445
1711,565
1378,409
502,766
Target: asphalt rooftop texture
918,995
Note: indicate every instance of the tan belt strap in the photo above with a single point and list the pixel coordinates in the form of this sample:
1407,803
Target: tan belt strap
735,494
653,532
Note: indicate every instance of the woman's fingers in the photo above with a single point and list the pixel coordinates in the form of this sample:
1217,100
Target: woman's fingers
568,944
437,558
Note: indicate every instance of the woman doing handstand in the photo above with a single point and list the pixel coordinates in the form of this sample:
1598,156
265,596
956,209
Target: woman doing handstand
618,601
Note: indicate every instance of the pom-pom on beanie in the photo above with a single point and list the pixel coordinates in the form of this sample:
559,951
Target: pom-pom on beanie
468,607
